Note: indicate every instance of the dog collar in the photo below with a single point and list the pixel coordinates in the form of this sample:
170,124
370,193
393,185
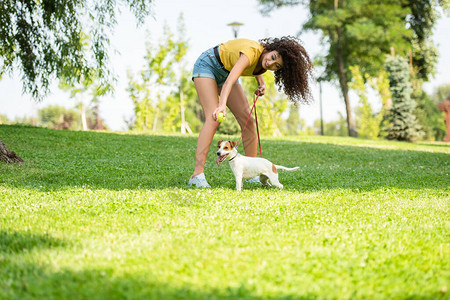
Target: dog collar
232,158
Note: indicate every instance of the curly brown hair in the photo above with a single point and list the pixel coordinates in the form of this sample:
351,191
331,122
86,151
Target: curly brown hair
296,72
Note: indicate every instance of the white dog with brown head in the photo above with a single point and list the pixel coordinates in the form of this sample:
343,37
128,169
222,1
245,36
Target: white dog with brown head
245,167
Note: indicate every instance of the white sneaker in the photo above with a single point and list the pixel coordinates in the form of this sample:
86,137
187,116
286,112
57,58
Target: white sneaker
199,181
253,180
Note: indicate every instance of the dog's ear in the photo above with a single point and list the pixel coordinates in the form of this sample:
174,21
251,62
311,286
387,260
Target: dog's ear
233,143
218,144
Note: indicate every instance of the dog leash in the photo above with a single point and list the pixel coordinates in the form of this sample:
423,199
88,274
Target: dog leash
256,121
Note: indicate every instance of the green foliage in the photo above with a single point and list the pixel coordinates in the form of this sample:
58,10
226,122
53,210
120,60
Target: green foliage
358,33
27,120
54,115
381,84
429,116
4,120
401,121
422,18
367,121
110,216
333,128
361,31
441,94
47,39
146,91
87,92
172,119
172,106
144,110
267,6
156,92
293,123
364,31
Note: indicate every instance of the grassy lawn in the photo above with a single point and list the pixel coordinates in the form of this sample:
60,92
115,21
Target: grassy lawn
109,216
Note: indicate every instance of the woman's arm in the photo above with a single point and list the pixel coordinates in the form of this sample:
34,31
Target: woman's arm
261,85
242,63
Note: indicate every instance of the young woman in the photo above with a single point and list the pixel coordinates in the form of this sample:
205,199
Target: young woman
216,72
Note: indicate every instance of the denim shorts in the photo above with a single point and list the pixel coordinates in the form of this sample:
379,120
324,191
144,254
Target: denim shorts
207,65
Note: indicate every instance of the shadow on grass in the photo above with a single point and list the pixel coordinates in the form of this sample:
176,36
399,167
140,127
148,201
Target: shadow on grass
440,144
20,242
20,278
60,159
99,284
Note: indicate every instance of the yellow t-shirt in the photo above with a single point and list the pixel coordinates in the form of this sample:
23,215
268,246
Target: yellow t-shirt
230,51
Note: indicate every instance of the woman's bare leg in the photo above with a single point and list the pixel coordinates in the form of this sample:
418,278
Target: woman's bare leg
207,92
238,104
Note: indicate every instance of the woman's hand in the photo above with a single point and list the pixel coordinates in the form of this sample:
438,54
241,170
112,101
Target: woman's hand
219,109
260,90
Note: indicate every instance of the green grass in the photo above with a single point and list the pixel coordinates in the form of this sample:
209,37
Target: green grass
109,216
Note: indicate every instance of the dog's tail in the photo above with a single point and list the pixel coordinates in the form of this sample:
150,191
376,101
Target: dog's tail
286,169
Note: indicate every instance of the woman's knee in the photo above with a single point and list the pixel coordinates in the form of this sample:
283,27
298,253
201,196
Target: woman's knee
210,123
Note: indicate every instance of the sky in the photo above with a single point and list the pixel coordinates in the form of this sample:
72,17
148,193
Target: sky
206,26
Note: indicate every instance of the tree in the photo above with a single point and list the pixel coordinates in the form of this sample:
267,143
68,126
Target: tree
401,121
355,31
157,78
361,32
178,106
46,40
358,33
421,19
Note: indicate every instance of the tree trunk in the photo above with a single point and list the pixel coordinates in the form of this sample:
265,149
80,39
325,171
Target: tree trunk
98,122
183,120
83,117
344,86
184,125
155,120
7,155
343,77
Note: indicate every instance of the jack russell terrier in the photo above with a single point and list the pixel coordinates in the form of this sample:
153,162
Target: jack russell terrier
245,167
